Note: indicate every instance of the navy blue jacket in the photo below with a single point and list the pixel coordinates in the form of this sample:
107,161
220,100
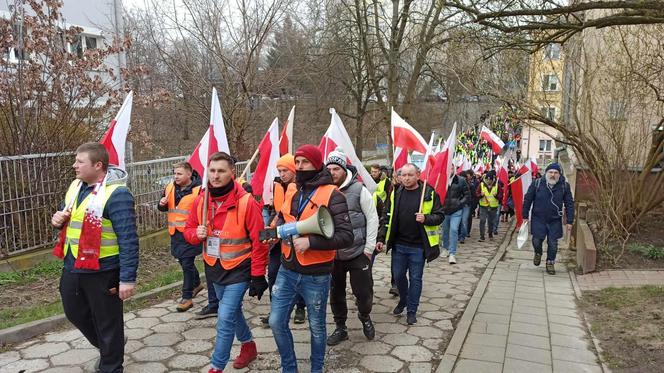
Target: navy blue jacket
180,248
119,209
547,207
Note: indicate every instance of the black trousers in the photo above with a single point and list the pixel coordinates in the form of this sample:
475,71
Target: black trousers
361,283
97,313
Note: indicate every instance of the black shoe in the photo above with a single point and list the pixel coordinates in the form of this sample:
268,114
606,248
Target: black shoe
340,334
205,313
537,259
550,269
265,321
491,237
368,329
300,316
398,309
481,239
462,241
411,319
394,291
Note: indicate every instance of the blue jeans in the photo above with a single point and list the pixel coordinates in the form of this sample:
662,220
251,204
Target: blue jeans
273,269
552,247
463,227
285,292
451,226
408,259
496,221
191,278
230,322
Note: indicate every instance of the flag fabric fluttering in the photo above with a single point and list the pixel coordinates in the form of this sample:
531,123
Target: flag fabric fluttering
519,188
405,136
115,138
337,136
400,158
266,169
443,171
213,141
429,160
286,139
496,143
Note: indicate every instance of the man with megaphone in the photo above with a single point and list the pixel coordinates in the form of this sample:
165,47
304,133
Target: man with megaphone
313,224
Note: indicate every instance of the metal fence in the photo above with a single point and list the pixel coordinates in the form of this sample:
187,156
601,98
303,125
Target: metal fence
33,186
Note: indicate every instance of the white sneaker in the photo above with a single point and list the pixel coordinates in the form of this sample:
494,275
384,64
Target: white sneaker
444,253
452,259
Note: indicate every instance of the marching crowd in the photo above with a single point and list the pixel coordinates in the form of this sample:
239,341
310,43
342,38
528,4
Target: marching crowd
99,244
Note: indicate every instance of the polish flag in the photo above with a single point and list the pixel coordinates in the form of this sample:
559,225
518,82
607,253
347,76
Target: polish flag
286,140
266,169
115,138
405,136
443,170
503,176
337,136
493,139
400,158
519,188
429,160
533,165
213,141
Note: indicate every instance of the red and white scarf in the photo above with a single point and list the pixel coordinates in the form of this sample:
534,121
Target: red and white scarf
89,243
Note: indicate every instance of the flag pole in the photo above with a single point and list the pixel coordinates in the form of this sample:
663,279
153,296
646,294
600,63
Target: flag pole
246,168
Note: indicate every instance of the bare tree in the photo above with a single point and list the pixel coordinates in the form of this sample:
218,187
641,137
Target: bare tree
54,93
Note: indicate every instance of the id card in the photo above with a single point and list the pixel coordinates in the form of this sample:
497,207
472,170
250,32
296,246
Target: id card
212,246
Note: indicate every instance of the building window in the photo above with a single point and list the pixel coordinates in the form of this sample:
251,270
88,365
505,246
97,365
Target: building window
617,110
550,83
552,51
83,43
549,112
545,145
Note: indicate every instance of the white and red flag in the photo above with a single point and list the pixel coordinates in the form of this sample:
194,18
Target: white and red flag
442,173
533,165
286,140
496,143
519,188
213,141
115,138
400,158
429,159
337,136
503,176
266,169
405,136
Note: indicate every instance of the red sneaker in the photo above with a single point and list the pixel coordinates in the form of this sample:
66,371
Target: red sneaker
214,370
248,354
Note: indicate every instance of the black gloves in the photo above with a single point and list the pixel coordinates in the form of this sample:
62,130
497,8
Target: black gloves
257,286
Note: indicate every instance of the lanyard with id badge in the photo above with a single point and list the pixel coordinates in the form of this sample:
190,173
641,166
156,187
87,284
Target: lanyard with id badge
212,243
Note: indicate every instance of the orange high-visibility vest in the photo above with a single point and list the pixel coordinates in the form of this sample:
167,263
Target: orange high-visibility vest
177,215
234,245
320,198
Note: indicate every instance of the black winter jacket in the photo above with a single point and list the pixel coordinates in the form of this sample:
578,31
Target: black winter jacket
343,230
457,195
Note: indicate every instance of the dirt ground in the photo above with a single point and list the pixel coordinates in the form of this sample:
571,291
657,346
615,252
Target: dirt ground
630,326
43,290
650,232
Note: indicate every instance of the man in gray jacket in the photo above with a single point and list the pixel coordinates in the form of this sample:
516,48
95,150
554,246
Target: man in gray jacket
355,259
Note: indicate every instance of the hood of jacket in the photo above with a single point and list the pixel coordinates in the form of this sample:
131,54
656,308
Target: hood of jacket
116,176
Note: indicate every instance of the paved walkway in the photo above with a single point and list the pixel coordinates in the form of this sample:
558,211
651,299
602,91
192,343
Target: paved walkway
527,322
620,279
161,339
